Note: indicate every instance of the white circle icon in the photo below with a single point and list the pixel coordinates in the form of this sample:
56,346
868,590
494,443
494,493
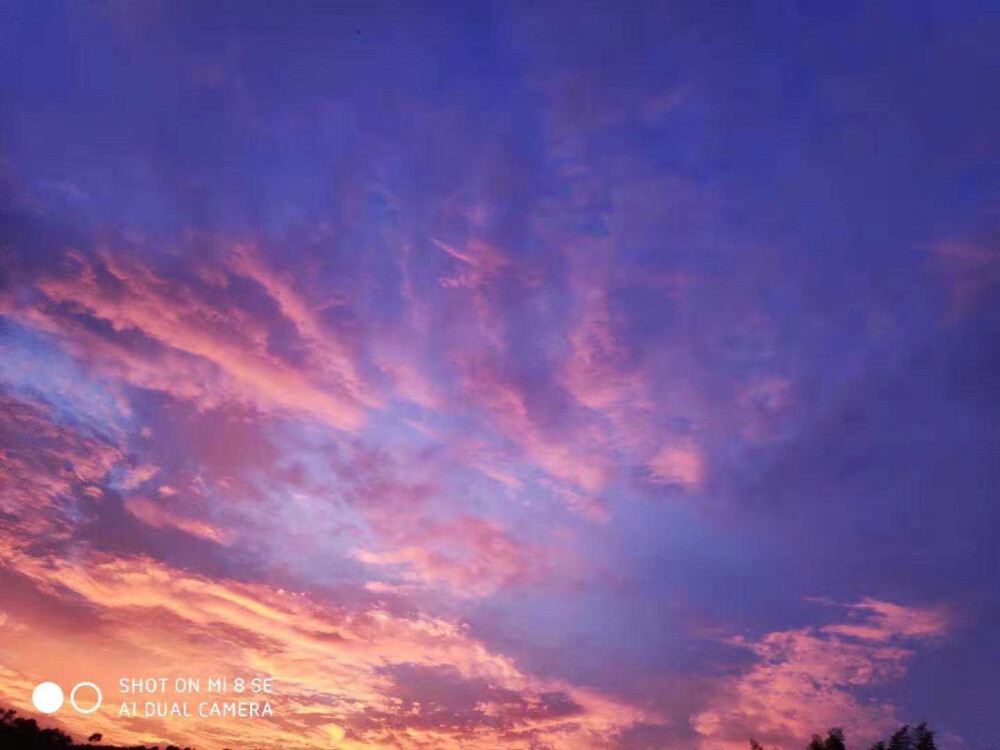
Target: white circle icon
47,697
92,686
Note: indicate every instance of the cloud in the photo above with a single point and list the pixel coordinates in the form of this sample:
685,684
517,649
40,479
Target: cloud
157,515
809,679
136,476
47,472
483,263
329,353
595,370
474,557
883,621
680,464
391,349
179,318
582,461
366,674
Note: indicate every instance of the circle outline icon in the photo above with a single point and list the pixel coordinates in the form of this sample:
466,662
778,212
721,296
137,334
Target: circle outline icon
72,697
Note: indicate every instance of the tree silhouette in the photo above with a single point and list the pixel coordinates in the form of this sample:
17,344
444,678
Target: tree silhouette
924,738
907,738
18,733
901,739
834,741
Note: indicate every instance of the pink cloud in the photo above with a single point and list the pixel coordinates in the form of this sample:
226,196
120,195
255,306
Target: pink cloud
595,372
680,463
805,680
585,505
881,621
486,260
131,298
43,465
410,382
329,353
582,461
157,515
472,556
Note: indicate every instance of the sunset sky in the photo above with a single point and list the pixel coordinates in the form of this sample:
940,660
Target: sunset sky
504,375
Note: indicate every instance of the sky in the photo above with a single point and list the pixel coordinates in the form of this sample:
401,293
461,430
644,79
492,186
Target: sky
503,375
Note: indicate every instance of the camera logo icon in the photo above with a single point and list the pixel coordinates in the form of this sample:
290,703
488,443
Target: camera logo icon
48,697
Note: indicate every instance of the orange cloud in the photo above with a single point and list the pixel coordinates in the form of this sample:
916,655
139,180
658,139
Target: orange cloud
336,671
73,614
